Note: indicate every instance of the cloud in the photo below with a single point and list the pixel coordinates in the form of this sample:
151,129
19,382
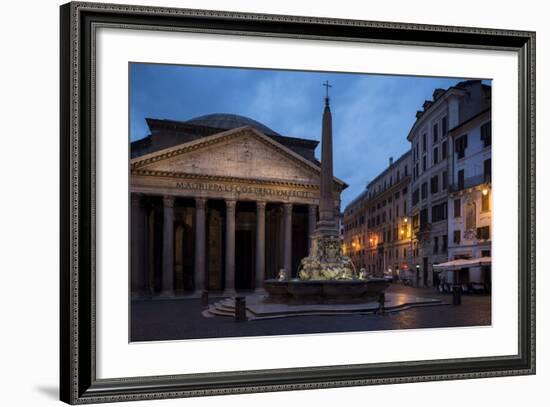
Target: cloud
372,114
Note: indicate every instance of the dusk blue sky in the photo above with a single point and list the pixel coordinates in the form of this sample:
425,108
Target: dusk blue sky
371,114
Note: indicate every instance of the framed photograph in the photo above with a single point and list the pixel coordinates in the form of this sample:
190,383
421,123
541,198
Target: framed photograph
255,203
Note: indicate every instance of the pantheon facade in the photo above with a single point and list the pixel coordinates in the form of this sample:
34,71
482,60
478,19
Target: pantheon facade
219,203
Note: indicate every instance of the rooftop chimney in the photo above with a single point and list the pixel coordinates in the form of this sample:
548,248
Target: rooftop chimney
391,161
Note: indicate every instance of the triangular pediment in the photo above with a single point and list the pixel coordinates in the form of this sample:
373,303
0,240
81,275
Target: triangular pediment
242,153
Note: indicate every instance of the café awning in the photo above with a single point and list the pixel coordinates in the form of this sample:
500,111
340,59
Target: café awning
462,263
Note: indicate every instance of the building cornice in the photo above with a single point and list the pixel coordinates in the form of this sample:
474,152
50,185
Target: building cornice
427,114
472,121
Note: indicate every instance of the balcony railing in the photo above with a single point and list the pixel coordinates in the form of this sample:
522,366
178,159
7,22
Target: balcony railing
469,183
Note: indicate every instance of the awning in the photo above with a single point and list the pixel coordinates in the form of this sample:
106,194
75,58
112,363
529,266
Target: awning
463,263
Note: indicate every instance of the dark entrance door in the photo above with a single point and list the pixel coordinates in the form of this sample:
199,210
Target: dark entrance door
244,259
425,271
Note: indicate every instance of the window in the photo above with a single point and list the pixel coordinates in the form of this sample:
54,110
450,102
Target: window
444,126
483,233
415,197
423,218
456,236
434,185
435,133
406,170
404,192
416,221
424,190
404,207
436,156
485,202
486,134
416,152
461,144
397,194
457,208
397,211
439,212
424,146
444,180
443,150
436,244
423,163
443,243
461,179
487,170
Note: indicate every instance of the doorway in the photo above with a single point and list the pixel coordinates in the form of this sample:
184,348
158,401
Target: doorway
425,272
244,259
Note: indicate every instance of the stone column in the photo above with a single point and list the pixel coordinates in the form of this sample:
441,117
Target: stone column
137,244
312,222
287,259
200,244
260,246
230,247
168,247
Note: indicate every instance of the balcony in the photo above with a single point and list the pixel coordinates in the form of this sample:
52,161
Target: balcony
421,231
470,182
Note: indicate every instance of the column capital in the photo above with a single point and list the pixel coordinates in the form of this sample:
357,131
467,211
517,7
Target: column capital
260,204
168,201
287,206
230,203
312,207
200,203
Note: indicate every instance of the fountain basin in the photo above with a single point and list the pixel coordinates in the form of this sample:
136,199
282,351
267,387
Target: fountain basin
325,290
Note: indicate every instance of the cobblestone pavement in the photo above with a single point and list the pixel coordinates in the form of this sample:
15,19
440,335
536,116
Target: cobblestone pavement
182,319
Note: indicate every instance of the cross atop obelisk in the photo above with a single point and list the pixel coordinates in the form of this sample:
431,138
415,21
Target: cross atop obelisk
326,85
326,199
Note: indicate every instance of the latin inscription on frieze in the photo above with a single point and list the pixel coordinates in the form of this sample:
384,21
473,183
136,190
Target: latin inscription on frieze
244,189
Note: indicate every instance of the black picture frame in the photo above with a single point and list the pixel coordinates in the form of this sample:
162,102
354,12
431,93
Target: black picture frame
78,382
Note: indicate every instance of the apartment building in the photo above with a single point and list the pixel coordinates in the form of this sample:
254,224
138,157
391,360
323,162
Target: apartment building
433,168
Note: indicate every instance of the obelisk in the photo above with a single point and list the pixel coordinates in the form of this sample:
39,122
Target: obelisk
327,222
326,260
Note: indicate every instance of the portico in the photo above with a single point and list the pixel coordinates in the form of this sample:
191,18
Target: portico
221,213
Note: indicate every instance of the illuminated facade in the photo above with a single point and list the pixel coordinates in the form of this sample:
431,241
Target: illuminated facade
435,148
377,227
470,200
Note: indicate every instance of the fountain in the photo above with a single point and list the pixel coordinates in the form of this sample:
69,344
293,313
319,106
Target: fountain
326,275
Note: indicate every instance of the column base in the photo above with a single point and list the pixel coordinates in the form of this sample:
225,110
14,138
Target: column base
167,295
229,292
260,291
